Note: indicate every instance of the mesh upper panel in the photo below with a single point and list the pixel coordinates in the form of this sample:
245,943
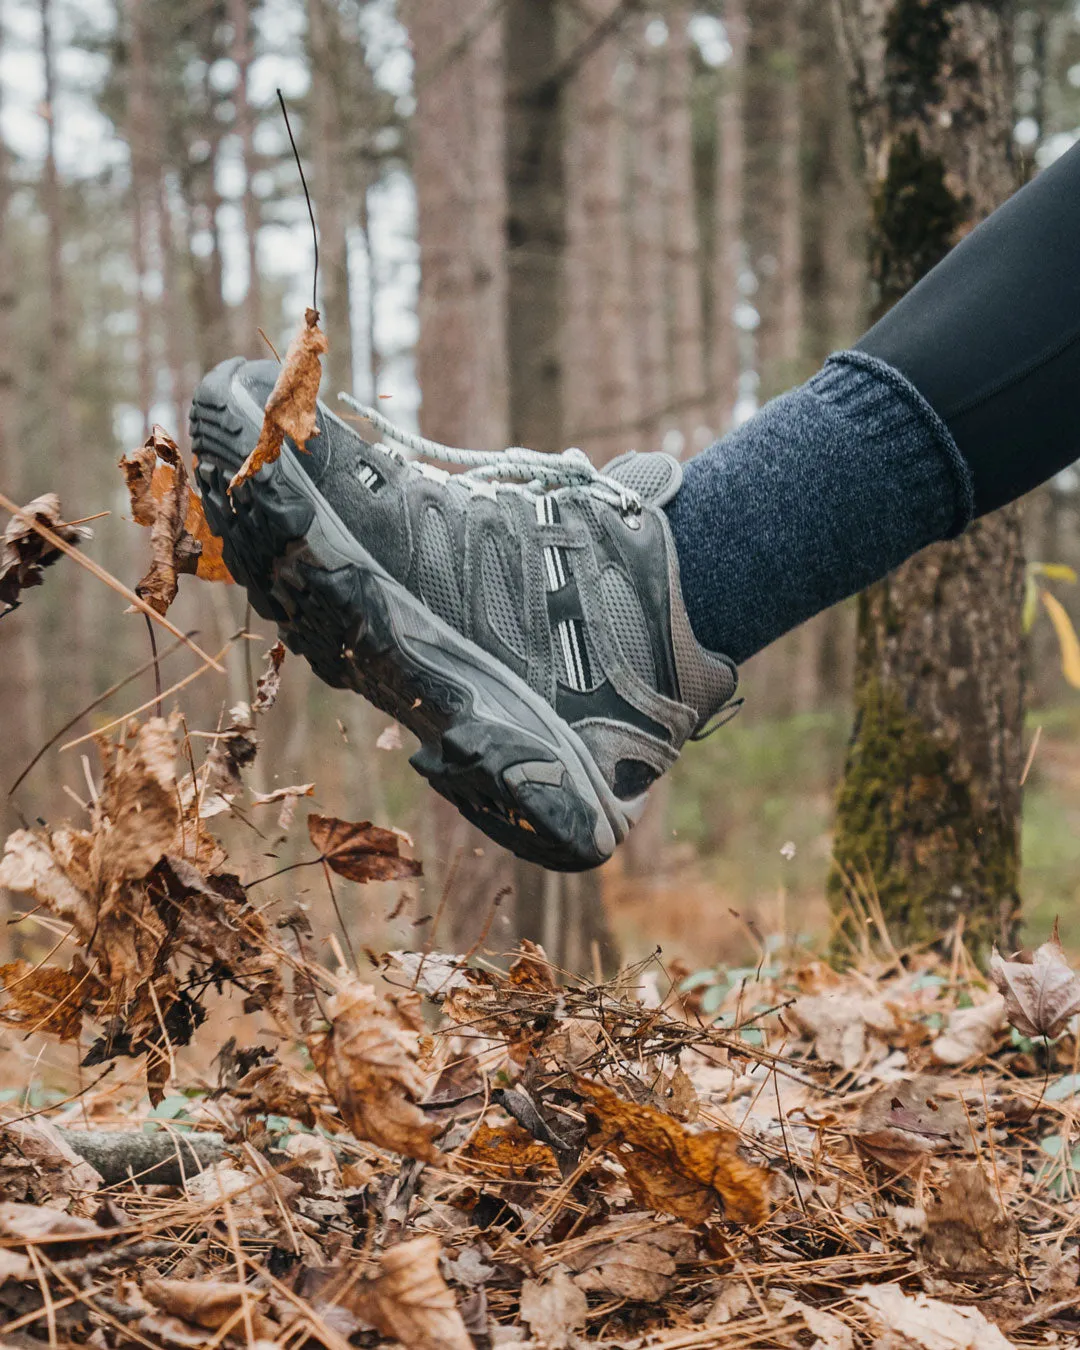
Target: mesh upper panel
502,613
435,568
654,477
629,624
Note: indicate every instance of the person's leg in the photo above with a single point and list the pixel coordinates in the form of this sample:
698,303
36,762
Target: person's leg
991,338
962,398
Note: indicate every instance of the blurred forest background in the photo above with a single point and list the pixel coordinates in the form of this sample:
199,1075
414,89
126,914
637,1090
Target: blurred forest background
690,240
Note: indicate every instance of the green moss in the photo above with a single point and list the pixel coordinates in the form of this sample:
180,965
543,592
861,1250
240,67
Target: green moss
913,829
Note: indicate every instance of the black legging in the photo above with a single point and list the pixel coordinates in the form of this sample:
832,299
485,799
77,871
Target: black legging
1002,365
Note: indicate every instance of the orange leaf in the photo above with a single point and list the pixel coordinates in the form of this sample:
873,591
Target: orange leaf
290,409
673,1171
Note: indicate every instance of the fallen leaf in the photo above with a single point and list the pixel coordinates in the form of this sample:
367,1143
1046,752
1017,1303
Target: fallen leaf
290,409
970,1033
829,1332
30,867
359,850
927,1322
46,998
24,554
411,1302
275,1089
673,1171
269,684
554,1308
34,1223
904,1122
435,974
57,1172
734,1299
839,1024
208,1303
368,1061
966,1231
638,1264
507,1152
1042,991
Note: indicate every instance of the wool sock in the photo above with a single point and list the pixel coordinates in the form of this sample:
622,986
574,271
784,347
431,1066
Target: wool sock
825,490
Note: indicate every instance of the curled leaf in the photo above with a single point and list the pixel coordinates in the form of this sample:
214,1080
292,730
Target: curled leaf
290,409
360,851
410,1301
24,554
1042,991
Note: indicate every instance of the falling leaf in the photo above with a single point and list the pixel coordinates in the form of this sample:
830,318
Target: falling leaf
266,691
554,1308
276,1089
966,1231
970,1032
840,1024
46,999
1041,991
290,409
24,554
208,1303
180,539
31,867
359,850
368,1061
288,797
673,1171
411,1302
1066,636
927,1323
389,738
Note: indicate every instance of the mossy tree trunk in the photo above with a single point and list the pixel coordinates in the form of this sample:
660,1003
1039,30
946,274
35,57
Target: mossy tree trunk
929,809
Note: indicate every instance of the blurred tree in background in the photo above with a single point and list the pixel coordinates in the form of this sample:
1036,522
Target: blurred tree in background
609,223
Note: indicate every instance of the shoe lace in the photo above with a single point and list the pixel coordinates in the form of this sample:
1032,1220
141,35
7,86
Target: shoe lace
516,468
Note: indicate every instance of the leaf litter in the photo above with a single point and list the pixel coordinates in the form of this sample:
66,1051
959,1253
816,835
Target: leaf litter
436,1152
441,1151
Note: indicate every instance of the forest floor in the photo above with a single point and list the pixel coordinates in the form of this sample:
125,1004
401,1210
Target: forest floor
454,1150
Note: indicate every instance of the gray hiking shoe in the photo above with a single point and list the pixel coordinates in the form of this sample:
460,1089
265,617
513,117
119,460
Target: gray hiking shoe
523,619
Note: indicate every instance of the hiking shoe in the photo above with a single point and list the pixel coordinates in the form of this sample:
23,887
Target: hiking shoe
523,618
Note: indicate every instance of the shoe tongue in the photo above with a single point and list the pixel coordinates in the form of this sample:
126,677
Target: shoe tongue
656,477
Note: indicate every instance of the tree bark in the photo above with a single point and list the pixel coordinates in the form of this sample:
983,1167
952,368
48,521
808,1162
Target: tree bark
549,908
929,810
728,216
773,217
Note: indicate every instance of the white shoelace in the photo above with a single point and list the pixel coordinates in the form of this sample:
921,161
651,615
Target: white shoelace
516,469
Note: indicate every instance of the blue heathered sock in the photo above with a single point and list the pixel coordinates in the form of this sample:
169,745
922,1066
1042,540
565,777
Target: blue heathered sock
825,490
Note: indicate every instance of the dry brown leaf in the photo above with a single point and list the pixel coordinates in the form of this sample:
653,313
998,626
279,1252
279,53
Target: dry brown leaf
966,1231
554,1309
673,1171
970,1032
283,794
1042,991
208,1303
34,1223
266,691
24,554
359,850
532,970
52,1170
46,999
839,1024
180,539
410,1300
290,409
136,813
509,1151
30,867
927,1323
904,1122
275,1089
368,1061
641,1267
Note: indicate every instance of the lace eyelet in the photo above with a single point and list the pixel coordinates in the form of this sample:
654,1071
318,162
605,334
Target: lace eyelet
632,520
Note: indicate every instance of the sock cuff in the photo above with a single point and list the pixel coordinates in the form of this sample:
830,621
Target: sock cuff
872,400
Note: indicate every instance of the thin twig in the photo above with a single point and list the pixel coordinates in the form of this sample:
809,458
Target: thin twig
307,198
154,659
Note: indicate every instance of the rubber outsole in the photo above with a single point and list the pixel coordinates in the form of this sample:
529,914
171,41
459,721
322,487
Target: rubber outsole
489,744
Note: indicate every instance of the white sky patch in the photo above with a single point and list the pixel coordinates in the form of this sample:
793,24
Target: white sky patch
711,39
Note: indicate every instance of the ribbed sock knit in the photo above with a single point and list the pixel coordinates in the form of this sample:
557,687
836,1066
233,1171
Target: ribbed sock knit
825,490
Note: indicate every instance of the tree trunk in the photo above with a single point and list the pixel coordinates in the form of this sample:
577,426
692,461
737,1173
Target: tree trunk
773,223
566,912
142,182
929,810
251,316
728,244
684,272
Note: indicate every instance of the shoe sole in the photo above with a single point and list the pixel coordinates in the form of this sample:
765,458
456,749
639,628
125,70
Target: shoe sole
489,743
